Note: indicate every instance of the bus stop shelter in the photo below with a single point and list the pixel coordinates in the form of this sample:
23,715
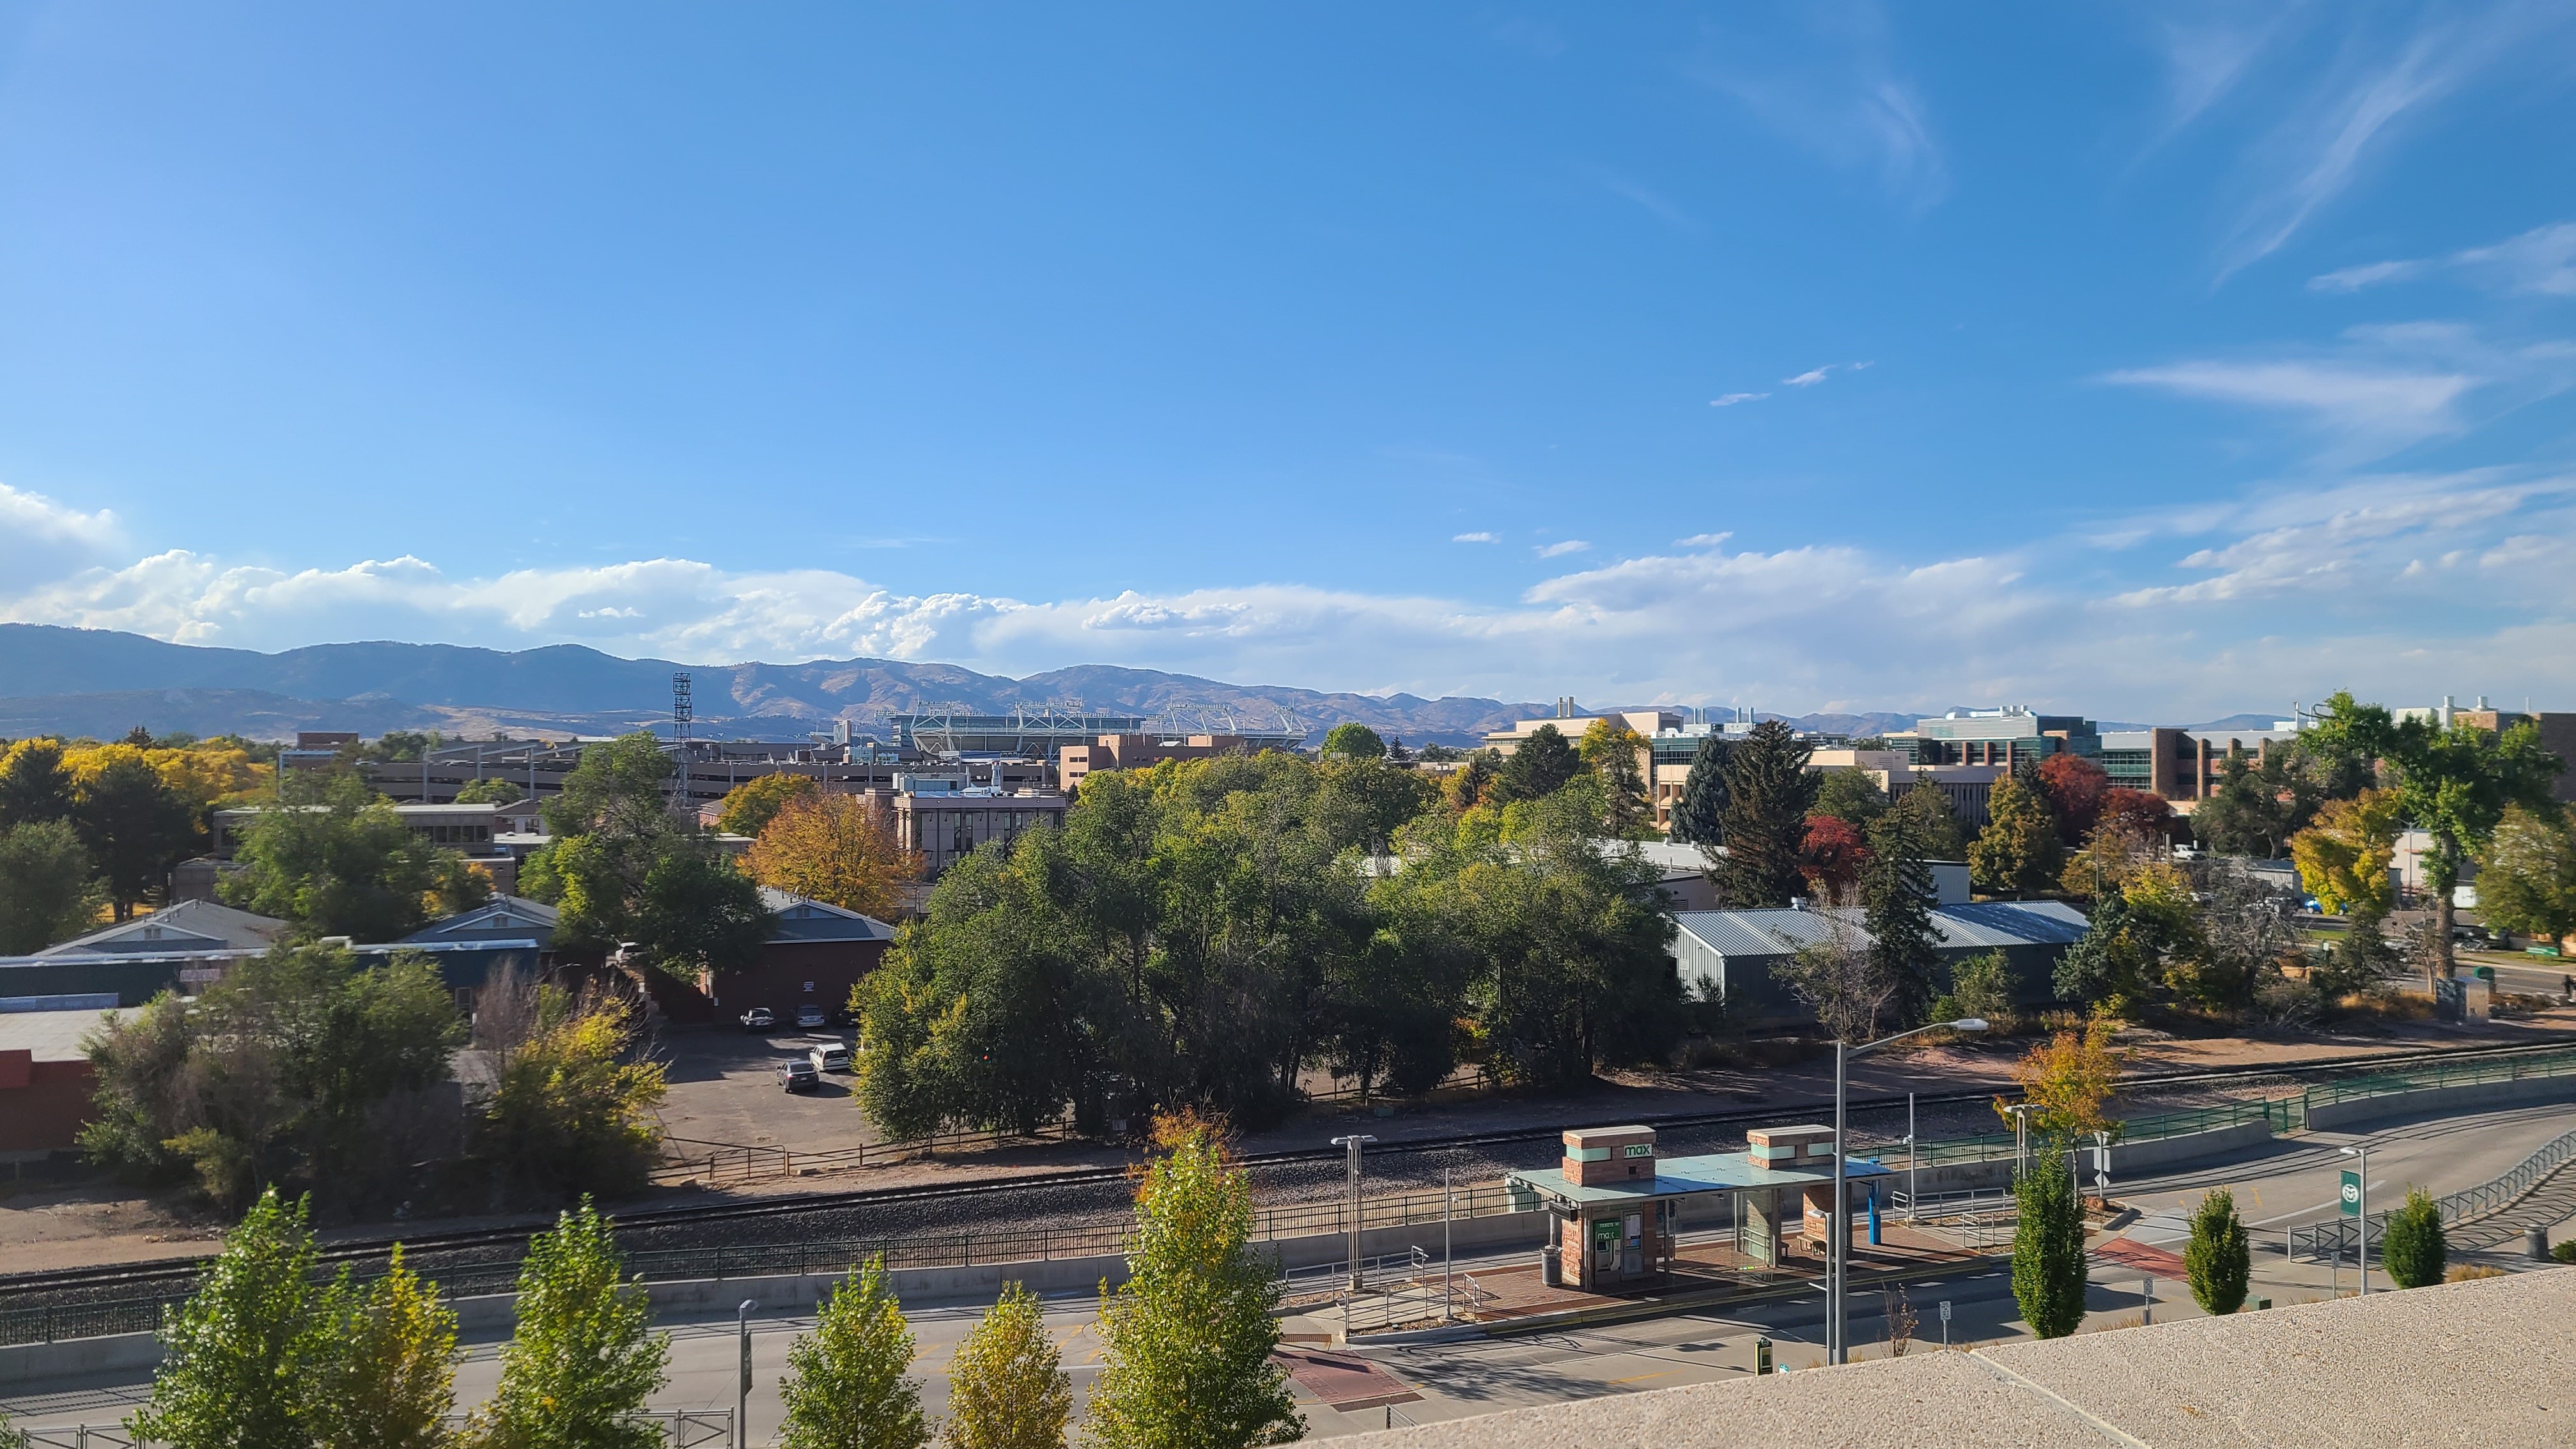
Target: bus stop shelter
1617,1205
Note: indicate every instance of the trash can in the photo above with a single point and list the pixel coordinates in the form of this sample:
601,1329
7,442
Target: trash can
1551,1266
2536,1242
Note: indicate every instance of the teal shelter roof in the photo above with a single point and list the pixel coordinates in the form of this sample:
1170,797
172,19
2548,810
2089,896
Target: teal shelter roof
1687,1177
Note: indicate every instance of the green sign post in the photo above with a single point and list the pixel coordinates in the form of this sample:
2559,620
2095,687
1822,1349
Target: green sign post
2351,1193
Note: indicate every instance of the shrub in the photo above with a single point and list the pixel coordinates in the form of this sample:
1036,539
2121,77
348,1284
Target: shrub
2467,1272
2565,1252
2048,1247
2411,1247
2219,1260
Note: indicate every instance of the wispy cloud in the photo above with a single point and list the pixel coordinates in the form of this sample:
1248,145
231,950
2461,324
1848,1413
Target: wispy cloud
2380,388
1815,375
1733,398
2539,262
1702,540
1562,548
1475,538
2205,57
1836,91
1646,199
2335,126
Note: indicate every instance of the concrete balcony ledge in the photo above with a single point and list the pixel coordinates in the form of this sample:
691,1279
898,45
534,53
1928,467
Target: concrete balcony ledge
2492,1361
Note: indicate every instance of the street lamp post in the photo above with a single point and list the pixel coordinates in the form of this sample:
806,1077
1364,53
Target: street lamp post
2361,1218
1838,1231
742,1390
1354,1143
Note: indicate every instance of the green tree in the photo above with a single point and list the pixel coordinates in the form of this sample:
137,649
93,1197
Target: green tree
1187,1339
2048,1244
2218,1261
750,806
1616,753
491,791
346,866
2526,875
282,1072
1538,768
1353,741
2411,1245
1983,986
2018,853
1468,787
1852,796
392,1379
569,1113
1007,1388
1769,794
2257,808
47,892
621,788
583,1357
845,1386
1897,895
35,786
1936,826
1699,816
134,825
243,1358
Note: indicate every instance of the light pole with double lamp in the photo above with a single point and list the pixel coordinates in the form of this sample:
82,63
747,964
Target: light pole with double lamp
1838,1231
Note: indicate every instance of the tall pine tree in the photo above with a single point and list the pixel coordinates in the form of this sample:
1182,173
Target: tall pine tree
1699,816
1768,794
1897,894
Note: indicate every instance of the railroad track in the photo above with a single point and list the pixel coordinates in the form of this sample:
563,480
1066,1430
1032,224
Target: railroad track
424,1250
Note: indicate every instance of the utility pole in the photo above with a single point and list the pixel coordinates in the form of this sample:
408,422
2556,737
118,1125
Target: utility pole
1353,1144
1448,1210
742,1393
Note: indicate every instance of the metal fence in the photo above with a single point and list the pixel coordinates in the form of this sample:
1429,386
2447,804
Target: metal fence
2335,1235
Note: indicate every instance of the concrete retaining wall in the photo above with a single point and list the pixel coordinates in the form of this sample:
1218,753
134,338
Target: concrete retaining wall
2444,1099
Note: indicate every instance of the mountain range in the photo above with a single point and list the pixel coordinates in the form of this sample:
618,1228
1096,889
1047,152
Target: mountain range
101,683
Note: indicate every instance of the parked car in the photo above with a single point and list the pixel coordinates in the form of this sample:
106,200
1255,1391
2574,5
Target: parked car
760,1018
829,1056
798,1075
809,1017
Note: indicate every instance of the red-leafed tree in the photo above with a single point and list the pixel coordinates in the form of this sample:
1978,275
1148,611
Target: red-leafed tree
1832,858
2142,812
2075,787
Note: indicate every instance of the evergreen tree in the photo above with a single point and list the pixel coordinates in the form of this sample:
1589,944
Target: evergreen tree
583,1357
2018,854
1936,826
133,824
242,1359
393,1379
2411,1245
1617,754
1768,796
2219,1260
1539,768
1699,816
1897,895
1007,1388
845,1386
2048,1245
1188,1337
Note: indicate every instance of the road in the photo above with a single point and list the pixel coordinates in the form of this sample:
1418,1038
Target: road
2277,1186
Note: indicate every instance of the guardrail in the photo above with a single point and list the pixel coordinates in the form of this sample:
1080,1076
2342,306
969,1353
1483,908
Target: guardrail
2335,1235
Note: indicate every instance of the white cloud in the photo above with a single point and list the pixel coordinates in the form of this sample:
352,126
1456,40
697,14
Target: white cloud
1808,378
1562,548
2541,261
1835,91
43,539
2378,389
1475,538
2400,585
1731,399
2332,127
2353,279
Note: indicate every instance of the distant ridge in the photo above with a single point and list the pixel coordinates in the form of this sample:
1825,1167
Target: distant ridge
101,683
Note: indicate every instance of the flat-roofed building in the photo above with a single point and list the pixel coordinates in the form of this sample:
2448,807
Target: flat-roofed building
946,826
2005,737
1141,751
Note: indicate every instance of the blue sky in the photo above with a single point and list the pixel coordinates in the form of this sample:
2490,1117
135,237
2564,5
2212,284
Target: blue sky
2152,361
